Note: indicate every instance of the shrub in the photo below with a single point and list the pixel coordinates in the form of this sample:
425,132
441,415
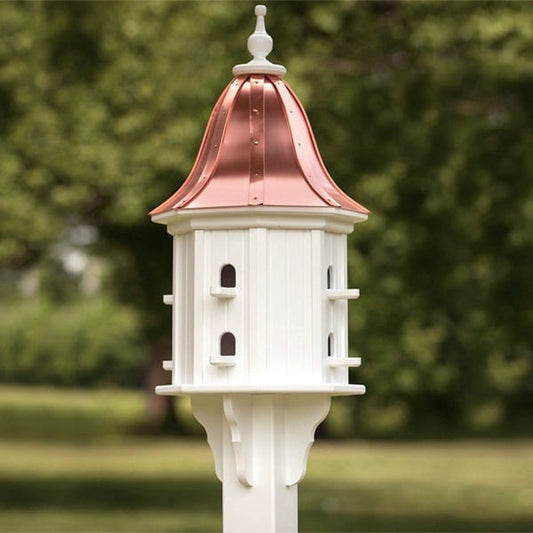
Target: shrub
91,342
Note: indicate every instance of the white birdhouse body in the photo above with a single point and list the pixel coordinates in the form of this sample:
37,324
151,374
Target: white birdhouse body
260,300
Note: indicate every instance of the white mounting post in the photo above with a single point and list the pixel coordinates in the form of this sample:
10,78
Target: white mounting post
260,443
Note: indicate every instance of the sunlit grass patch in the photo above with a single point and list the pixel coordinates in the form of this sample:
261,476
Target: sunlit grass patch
47,413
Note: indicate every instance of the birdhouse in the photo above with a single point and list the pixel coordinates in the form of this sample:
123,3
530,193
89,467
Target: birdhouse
260,265
260,231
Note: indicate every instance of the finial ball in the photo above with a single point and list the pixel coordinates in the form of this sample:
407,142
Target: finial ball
260,11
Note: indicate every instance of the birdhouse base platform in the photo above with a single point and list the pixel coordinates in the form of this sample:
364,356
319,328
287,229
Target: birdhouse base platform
327,389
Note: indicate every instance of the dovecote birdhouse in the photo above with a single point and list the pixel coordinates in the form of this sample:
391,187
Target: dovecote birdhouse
260,289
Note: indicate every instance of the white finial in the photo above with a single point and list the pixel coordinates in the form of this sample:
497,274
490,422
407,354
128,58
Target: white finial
260,45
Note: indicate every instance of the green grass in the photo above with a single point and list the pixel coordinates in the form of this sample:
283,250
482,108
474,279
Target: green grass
154,485
169,485
76,415
139,485
49,414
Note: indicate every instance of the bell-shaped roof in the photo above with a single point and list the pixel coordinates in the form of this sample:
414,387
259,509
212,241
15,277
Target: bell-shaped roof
258,148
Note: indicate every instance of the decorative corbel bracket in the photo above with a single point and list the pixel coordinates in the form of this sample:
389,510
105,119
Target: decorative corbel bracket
260,432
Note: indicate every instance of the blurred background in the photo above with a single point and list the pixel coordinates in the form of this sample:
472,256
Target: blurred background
422,112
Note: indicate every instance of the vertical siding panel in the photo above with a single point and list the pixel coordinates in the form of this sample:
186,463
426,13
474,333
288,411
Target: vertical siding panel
183,303
245,303
187,313
277,304
210,278
286,354
297,290
327,304
179,303
258,288
317,297
217,318
198,276
270,301
240,371
307,303
342,307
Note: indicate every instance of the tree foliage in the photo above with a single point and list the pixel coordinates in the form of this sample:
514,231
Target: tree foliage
85,343
422,111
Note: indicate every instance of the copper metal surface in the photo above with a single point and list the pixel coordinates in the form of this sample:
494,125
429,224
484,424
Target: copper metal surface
258,149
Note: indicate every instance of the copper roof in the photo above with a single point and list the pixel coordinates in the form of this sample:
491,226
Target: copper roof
258,149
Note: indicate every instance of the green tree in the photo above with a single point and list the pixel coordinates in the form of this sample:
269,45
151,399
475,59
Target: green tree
434,110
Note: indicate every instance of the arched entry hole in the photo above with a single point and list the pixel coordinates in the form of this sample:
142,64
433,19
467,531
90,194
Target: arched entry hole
228,276
330,345
329,278
227,344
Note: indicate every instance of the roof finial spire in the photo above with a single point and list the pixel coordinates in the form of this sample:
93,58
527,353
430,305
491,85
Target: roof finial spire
260,45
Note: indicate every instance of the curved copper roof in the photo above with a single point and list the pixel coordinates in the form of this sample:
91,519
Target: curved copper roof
258,149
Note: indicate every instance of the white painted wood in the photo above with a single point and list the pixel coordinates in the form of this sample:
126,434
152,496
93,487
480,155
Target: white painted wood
344,361
223,293
280,311
340,308
260,444
328,325
257,359
316,310
269,505
260,45
261,406
330,219
167,365
201,346
342,294
223,360
239,416
168,299
327,388
207,409
236,310
289,301
303,415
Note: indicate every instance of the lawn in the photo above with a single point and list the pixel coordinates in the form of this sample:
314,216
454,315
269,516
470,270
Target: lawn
134,484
